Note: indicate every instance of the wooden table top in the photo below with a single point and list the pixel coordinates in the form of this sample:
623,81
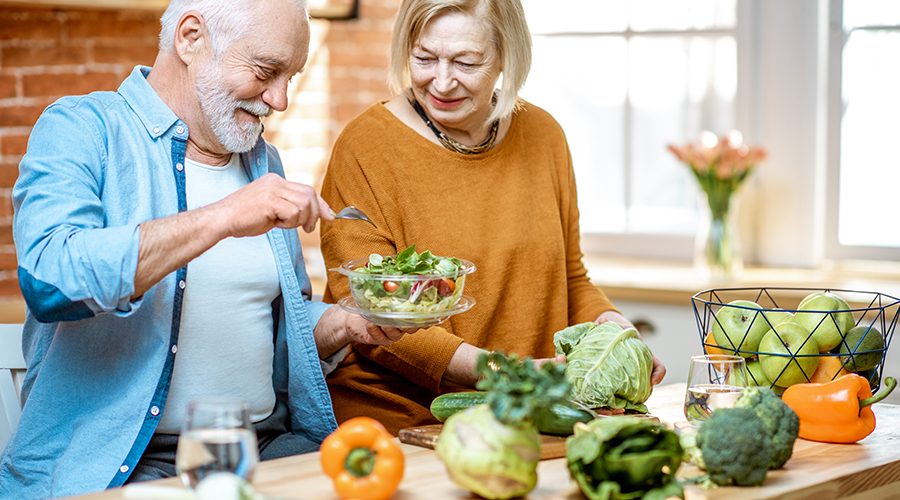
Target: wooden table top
869,469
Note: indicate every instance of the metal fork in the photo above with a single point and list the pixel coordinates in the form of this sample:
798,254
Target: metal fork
352,213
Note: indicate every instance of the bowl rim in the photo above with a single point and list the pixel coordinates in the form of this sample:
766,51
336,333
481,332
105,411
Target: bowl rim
348,269
351,305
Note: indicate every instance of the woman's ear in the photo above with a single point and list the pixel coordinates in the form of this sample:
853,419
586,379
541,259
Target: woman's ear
190,35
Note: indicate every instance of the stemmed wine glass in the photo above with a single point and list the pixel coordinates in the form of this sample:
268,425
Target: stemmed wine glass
216,436
714,381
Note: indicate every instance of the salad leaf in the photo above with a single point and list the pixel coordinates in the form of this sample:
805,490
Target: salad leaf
409,295
609,366
409,262
624,458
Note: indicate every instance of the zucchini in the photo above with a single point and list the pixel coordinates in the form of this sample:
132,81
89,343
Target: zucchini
558,419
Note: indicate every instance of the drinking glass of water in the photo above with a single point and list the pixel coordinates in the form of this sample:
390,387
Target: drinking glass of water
216,436
714,381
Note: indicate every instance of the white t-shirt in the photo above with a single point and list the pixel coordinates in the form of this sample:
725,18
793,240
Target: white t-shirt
225,344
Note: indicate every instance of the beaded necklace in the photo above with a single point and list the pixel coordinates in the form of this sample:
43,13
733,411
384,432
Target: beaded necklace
450,143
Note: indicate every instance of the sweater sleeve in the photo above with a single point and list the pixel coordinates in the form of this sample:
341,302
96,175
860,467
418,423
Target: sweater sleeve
357,169
586,300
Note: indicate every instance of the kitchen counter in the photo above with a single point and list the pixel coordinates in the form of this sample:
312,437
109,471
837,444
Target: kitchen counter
869,469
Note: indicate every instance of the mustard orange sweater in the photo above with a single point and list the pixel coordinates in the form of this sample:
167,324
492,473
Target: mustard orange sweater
511,211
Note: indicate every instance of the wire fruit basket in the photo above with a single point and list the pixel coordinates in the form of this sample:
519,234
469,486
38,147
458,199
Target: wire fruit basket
797,335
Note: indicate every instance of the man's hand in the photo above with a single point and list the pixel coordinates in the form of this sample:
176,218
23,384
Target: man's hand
169,243
271,201
337,328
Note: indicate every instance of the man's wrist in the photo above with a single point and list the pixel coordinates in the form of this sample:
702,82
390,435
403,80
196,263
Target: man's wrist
331,332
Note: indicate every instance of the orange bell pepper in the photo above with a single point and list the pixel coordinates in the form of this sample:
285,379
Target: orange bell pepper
362,460
837,411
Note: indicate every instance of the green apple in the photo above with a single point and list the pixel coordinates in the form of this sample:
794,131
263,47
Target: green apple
757,375
777,317
828,320
789,355
862,348
739,326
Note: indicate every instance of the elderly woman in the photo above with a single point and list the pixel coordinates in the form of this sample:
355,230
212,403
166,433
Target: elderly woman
456,167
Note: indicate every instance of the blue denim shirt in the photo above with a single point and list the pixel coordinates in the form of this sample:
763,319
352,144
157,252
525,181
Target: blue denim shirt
99,364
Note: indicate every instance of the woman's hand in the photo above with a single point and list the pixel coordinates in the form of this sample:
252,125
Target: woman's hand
659,369
559,359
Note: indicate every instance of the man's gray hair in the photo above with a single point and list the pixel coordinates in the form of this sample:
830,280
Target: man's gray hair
226,20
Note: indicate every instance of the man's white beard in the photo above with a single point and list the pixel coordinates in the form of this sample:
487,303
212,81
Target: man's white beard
220,110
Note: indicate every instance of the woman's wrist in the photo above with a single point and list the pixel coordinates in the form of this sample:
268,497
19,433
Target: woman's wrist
460,371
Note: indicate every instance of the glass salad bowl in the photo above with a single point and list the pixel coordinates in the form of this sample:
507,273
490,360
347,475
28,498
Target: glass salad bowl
408,290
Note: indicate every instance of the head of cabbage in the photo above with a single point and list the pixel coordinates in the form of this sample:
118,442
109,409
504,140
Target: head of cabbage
608,366
492,459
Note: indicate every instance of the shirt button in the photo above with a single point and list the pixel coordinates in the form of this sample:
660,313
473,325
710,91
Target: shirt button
179,167
174,349
179,129
181,284
154,410
123,469
155,131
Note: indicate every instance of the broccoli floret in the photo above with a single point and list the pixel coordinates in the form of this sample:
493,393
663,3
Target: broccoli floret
780,419
736,447
692,453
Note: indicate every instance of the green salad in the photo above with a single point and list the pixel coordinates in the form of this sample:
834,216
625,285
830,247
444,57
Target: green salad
409,282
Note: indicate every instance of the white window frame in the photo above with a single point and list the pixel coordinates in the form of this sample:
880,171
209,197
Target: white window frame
675,247
788,101
835,39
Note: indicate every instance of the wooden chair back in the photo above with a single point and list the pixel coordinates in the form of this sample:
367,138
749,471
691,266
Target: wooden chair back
12,373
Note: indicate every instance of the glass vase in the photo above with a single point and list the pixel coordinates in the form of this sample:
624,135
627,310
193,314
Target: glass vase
717,252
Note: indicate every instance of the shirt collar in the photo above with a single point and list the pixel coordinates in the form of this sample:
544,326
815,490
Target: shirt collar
156,116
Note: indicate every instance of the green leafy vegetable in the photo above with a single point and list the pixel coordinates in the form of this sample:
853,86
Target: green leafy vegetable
516,390
623,458
492,449
423,282
608,366
410,262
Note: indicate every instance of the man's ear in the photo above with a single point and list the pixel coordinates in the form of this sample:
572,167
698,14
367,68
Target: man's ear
190,36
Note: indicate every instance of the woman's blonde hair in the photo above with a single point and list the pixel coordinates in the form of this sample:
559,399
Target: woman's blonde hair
508,30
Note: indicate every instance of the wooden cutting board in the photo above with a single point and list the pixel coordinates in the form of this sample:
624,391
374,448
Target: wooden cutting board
427,435
551,446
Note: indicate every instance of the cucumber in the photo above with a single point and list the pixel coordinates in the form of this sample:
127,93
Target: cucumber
560,418
557,419
447,404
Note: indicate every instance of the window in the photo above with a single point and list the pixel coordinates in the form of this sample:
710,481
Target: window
864,126
624,79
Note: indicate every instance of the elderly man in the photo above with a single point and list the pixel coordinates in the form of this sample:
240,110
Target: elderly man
159,258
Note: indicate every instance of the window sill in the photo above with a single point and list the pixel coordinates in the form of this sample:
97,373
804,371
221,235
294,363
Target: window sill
669,282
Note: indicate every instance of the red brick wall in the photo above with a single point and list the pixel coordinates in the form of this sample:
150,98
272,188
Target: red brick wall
47,53
359,51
